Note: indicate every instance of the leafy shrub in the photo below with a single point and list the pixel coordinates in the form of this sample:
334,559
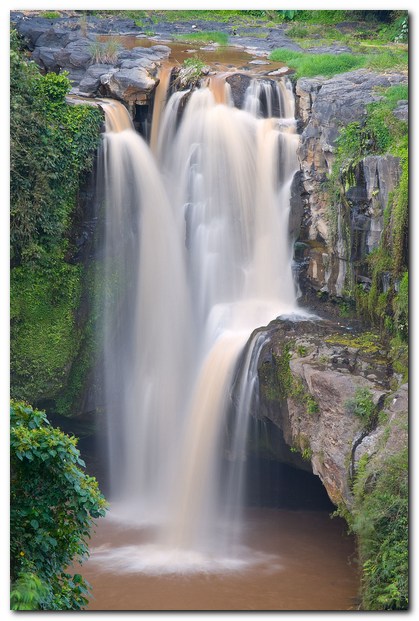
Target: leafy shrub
52,145
52,510
362,405
380,520
403,32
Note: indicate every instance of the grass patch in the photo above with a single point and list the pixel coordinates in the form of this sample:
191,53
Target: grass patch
50,14
235,17
205,37
395,59
106,53
310,31
310,65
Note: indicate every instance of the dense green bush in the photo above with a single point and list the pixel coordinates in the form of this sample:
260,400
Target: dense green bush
380,519
51,145
52,510
52,148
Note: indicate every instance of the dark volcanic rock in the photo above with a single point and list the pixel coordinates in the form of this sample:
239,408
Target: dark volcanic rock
90,82
32,29
46,58
239,83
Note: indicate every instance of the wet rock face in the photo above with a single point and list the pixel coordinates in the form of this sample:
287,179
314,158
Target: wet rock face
327,364
324,106
239,83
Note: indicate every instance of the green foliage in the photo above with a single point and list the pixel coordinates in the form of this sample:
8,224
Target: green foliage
379,133
205,37
302,350
401,307
402,26
287,15
380,520
282,385
44,335
50,14
51,145
28,592
307,454
284,375
400,219
362,406
388,59
368,342
310,65
52,510
399,355
328,65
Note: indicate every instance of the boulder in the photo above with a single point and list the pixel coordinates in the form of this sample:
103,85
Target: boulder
239,83
55,37
129,85
31,29
46,58
90,82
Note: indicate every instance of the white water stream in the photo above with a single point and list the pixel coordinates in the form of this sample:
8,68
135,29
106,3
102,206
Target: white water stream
197,255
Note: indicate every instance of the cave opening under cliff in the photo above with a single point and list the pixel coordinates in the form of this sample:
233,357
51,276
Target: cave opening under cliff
277,476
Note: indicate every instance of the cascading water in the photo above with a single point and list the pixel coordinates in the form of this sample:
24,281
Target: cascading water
197,256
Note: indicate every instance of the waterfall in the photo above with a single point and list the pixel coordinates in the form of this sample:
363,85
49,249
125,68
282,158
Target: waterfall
197,255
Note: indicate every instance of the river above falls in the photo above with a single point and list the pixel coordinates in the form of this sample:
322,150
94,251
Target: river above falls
225,58
304,561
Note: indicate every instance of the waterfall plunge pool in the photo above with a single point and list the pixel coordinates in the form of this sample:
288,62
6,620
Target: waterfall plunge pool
291,560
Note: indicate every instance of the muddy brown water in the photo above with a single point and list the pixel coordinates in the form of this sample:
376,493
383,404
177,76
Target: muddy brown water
219,58
310,564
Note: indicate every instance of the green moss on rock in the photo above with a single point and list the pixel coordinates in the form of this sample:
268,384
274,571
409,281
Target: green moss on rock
44,333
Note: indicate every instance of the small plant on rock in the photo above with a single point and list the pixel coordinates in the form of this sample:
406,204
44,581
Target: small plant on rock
362,405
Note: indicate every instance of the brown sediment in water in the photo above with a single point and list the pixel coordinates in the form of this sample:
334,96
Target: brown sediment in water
219,58
314,568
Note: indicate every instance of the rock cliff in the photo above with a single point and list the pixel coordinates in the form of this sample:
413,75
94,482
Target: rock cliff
337,240
309,373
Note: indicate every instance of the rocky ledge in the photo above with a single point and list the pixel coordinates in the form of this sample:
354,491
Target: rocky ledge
310,375
65,45
324,106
